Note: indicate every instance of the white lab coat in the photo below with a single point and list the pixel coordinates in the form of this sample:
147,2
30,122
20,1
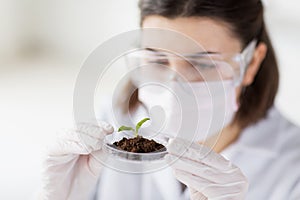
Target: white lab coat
268,153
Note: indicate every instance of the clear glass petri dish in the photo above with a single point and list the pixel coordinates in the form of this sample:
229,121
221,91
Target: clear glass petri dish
112,150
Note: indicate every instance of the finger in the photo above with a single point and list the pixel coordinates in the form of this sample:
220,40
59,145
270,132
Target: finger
62,148
192,181
203,170
198,153
68,135
87,141
75,143
209,189
52,159
97,161
106,126
77,136
97,131
90,143
229,191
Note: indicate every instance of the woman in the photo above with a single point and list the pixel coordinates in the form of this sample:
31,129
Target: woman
262,145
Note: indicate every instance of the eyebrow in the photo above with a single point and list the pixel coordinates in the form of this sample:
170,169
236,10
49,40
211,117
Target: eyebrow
197,53
150,49
207,52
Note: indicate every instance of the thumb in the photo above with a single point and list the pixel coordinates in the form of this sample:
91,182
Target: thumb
96,161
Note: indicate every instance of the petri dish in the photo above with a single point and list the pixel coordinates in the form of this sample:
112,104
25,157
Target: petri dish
112,150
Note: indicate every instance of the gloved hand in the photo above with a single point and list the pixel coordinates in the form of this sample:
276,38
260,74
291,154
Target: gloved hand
207,174
72,166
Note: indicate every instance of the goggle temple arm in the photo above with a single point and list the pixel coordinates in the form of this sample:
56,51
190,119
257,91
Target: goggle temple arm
247,56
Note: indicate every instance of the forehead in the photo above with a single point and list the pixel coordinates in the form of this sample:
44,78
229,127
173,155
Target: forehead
212,35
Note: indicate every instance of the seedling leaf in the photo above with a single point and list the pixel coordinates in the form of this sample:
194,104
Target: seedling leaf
137,127
125,128
139,124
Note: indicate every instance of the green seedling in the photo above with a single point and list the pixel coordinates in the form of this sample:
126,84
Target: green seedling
137,127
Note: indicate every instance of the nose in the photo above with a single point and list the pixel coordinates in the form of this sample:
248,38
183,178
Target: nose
185,70
178,66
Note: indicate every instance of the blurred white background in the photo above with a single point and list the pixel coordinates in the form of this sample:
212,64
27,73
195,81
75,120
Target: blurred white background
42,46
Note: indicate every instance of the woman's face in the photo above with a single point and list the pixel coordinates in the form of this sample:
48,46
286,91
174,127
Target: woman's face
212,35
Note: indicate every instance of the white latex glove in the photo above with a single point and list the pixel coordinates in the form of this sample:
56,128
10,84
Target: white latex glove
207,174
72,166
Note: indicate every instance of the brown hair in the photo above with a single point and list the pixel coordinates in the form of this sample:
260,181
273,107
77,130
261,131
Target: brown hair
247,22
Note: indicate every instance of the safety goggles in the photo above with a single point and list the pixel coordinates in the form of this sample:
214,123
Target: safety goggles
159,65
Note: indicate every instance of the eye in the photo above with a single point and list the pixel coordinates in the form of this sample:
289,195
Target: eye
161,61
202,65
155,57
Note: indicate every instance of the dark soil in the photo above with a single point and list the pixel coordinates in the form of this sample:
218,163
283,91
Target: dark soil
139,144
